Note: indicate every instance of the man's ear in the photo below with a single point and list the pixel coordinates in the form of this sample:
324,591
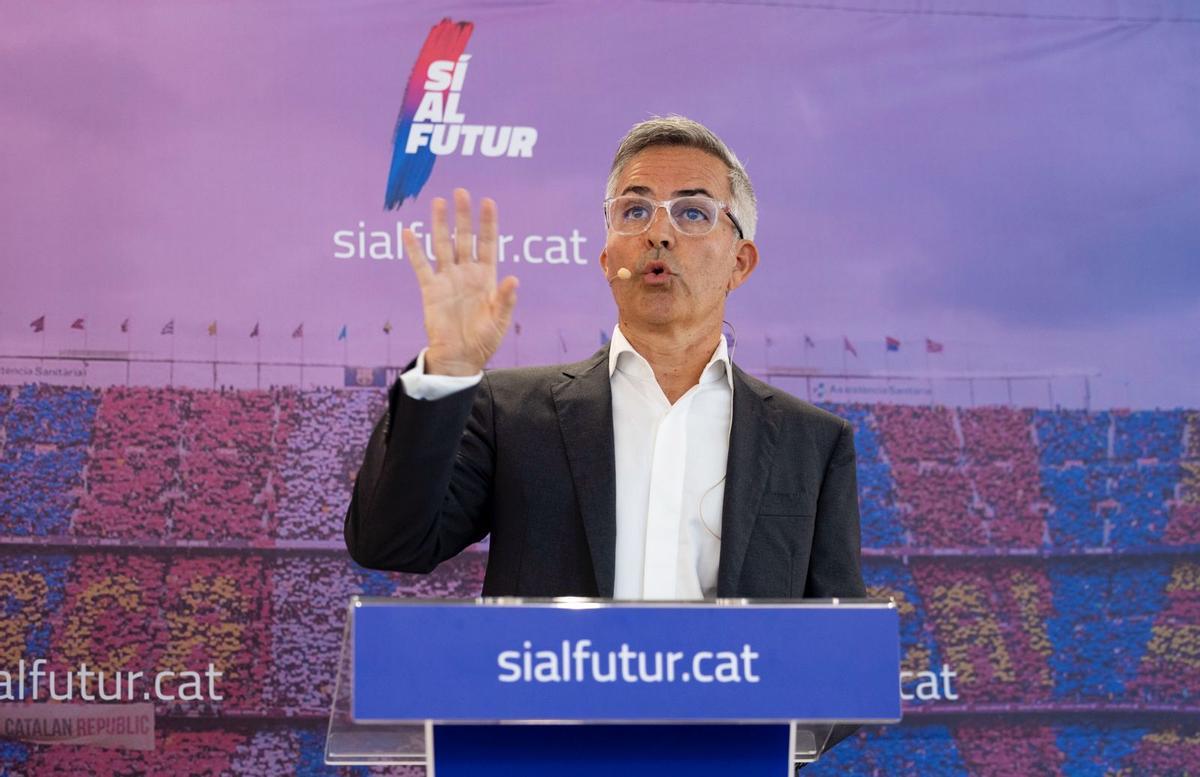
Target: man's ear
745,260
604,261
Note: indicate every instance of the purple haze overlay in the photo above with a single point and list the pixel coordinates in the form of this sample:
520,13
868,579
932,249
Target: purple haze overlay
1024,189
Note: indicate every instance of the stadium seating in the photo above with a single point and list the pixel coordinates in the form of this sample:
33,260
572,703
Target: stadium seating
989,619
1094,749
1100,624
111,615
919,650
133,472
1148,434
1170,751
937,504
1003,748
231,445
308,603
309,595
224,509
1142,493
43,448
906,750
323,452
913,434
217,610
32,588
1076,520
880,520
996,434
1171,658
50,415
1071,435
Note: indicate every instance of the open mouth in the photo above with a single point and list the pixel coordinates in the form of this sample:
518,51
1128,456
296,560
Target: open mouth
656,268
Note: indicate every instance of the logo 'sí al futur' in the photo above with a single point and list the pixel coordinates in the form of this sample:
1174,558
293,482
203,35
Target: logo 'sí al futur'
432,123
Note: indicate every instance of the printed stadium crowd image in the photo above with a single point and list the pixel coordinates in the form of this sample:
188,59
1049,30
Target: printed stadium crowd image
1044,562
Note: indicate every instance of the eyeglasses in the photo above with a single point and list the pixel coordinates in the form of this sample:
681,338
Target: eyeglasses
695,215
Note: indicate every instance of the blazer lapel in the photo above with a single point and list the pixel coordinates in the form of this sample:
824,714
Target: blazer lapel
753,435
583,401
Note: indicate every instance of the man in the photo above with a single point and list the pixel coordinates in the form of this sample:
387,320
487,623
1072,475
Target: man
656,469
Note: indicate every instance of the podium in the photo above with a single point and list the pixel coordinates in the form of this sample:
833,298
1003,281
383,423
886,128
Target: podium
589,686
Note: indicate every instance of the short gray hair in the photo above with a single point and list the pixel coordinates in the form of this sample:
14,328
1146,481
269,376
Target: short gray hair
681,131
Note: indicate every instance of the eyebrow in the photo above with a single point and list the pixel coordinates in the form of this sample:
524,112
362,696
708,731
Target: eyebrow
645,192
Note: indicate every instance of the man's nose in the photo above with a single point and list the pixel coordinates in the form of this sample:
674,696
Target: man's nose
661,232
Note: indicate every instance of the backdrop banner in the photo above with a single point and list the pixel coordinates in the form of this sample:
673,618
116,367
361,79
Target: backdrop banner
977,224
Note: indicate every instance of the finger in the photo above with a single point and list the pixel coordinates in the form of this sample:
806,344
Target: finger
464,250
488,226
443,250
505,298
416,257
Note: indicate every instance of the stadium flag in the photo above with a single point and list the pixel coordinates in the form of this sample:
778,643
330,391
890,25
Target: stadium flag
891,343
169,327
562,341
932,346
603,337
767,339
77,324
517,327
254,331
38,324
848,346
212,329
344,338
128,346
298,334
387,327
808,342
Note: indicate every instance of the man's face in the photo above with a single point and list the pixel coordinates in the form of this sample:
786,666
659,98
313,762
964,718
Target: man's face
678,280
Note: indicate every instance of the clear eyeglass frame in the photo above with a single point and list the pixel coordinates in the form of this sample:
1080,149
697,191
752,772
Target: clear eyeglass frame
717,207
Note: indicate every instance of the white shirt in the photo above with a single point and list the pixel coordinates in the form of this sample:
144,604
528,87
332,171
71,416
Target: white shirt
670,463
670,466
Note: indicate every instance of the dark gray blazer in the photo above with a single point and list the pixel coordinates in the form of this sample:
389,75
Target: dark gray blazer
528,457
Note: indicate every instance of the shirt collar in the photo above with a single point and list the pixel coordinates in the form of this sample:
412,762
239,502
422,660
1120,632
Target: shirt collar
719,363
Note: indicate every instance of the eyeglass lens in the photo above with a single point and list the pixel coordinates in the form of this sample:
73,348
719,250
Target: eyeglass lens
690,215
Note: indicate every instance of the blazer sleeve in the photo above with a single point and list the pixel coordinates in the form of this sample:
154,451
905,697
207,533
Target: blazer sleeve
424,489
835,567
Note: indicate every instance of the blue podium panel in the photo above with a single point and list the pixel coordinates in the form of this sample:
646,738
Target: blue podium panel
635,662
698,750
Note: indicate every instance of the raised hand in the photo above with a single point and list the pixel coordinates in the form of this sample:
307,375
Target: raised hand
466,312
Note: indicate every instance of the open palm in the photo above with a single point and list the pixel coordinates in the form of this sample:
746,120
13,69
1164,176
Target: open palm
466,311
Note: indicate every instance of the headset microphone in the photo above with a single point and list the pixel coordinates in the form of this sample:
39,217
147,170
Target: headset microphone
622,274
